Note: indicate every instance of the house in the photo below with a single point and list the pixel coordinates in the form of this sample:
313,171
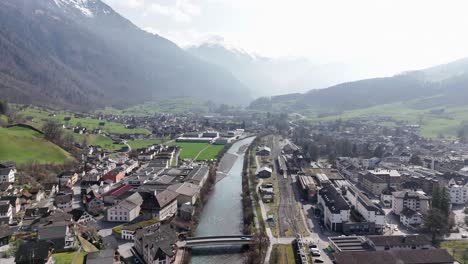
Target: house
159,205
264,172
6,212
59,234
410,218
6,187
115,195
50,188
68,179
417,256
128,232
156,244
64,201
126,210
187,192
7,174
14,201
94,203
405,242
115,175
105,256
39,252
414,200
458,192
82,217
264,151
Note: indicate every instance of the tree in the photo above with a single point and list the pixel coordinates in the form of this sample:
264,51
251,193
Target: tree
52,131
416,160
3,108
379,151
437,223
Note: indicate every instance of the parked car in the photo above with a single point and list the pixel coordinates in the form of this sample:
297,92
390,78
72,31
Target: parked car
315,252
464,236
312,245
318,260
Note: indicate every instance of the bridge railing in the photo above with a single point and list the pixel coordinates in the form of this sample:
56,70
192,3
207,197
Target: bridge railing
215,237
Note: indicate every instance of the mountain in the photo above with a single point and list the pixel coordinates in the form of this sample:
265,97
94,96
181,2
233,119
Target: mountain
269,76
82,54
444,85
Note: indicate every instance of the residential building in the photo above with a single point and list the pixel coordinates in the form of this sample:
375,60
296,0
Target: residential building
59,234
156,245
39,252
160,205
82,217
414,200
6,212
198,175
64,201
128,232
7,175
126,210
115,175
458,192
371,212
94,203
335,209
375,181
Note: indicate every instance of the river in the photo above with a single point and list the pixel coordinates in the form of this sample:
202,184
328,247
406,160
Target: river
222,214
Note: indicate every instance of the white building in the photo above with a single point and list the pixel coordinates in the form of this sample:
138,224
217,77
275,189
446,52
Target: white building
7,175
458,193
414,200
370,212
410,217
126,210
335,209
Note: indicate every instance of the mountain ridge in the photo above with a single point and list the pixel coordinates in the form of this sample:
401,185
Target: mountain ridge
82,54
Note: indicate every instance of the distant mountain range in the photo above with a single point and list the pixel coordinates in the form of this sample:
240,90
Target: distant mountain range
81,54
444,85
273,76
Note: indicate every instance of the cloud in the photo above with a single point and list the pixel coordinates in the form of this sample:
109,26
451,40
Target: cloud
180,11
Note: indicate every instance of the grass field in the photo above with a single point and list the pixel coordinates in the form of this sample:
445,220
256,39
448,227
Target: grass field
458,249
97,140
41,116
198,151
170,105
283,254
67,258
143,143
22,145
445,124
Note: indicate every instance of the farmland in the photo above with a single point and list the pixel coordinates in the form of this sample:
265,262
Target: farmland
23,145
198,151
38,117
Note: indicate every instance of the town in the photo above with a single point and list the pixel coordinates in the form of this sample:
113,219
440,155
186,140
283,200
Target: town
271,190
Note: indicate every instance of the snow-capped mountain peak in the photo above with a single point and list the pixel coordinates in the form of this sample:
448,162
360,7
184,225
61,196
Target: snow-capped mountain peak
89,8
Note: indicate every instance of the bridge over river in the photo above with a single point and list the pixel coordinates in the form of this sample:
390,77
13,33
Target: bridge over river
215,241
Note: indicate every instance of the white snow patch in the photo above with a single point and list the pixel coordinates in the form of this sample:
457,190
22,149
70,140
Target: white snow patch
81,5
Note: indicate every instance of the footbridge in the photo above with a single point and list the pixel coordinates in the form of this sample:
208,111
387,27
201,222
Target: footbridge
212,241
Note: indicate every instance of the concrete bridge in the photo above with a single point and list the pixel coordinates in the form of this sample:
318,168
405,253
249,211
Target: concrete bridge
212,241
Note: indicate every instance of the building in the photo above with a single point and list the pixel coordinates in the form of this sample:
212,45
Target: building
82,217
264,151
126,210
406,242
14,201
94,203
335,210
198,175
128,232
64,201
371,212
106,256
115,175
7,174
458,192
159,205
156,244
39,252
264,172
187,192
410,218
414,200
417,256
375,181
59,234
6,212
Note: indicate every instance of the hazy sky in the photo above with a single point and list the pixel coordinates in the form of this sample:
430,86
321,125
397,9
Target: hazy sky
384,37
